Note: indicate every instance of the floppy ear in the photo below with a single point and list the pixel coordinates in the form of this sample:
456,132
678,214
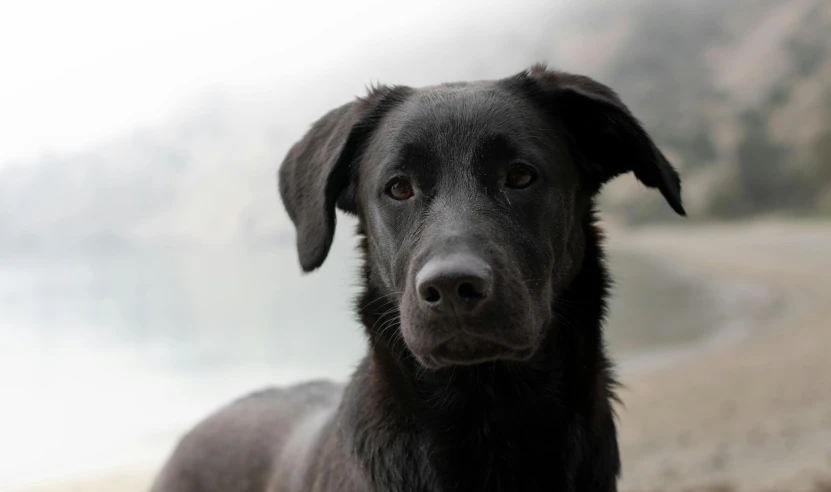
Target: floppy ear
317,171
607,137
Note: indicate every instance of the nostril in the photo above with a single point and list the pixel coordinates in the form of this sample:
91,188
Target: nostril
431,294
460,282
469,292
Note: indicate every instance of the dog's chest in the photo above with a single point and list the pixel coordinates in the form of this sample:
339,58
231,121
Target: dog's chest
503,463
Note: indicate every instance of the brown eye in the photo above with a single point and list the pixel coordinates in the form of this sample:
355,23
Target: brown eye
400,189
520,177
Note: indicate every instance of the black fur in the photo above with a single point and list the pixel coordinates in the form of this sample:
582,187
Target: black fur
513,394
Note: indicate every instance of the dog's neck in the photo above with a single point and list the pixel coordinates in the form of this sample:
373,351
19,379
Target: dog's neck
493,426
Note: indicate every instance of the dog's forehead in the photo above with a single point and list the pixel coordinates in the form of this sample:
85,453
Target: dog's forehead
462,111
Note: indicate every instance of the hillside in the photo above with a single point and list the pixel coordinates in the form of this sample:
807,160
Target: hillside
739,93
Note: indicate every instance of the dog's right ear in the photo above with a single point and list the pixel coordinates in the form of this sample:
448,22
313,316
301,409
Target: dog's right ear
317,172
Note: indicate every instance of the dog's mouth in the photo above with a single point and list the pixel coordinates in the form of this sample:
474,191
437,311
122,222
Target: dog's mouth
468,350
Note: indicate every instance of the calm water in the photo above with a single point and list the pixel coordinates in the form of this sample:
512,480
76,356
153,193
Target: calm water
104,359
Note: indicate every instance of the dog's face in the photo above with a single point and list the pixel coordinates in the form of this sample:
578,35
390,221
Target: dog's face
472,198
470,210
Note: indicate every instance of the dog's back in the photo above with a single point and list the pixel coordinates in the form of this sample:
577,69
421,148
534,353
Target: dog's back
265,441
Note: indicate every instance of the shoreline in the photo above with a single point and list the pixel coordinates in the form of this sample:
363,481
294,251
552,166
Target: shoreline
744,303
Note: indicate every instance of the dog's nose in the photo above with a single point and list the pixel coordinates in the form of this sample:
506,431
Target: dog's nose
462,282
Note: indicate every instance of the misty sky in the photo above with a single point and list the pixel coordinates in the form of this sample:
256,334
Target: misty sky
75,73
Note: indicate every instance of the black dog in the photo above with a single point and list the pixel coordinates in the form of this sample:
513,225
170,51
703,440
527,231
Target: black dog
484,292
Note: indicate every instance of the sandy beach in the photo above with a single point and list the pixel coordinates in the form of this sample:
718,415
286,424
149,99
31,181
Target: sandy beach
749,413
754,415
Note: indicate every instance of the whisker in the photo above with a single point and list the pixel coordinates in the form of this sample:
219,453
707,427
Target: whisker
385,326
562,318
381,317
378,299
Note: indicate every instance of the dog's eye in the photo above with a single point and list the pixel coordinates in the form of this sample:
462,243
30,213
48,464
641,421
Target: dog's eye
520,176
400,189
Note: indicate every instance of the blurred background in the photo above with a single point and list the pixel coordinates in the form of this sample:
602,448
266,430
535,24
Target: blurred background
148,271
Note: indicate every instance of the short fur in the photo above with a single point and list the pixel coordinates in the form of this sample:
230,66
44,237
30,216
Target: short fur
537,415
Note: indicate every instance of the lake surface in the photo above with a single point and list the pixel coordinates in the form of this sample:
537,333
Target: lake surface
105,359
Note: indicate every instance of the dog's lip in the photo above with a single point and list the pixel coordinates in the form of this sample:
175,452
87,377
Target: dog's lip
467,349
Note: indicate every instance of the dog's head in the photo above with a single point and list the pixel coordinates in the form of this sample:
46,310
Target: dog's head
472,198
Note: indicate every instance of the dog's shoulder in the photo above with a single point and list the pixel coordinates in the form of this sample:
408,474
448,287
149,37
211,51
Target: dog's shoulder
239,446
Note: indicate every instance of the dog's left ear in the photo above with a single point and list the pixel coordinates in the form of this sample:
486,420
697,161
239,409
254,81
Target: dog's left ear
317,173
607,137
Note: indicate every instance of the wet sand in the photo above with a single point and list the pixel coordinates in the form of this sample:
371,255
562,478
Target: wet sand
745,409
